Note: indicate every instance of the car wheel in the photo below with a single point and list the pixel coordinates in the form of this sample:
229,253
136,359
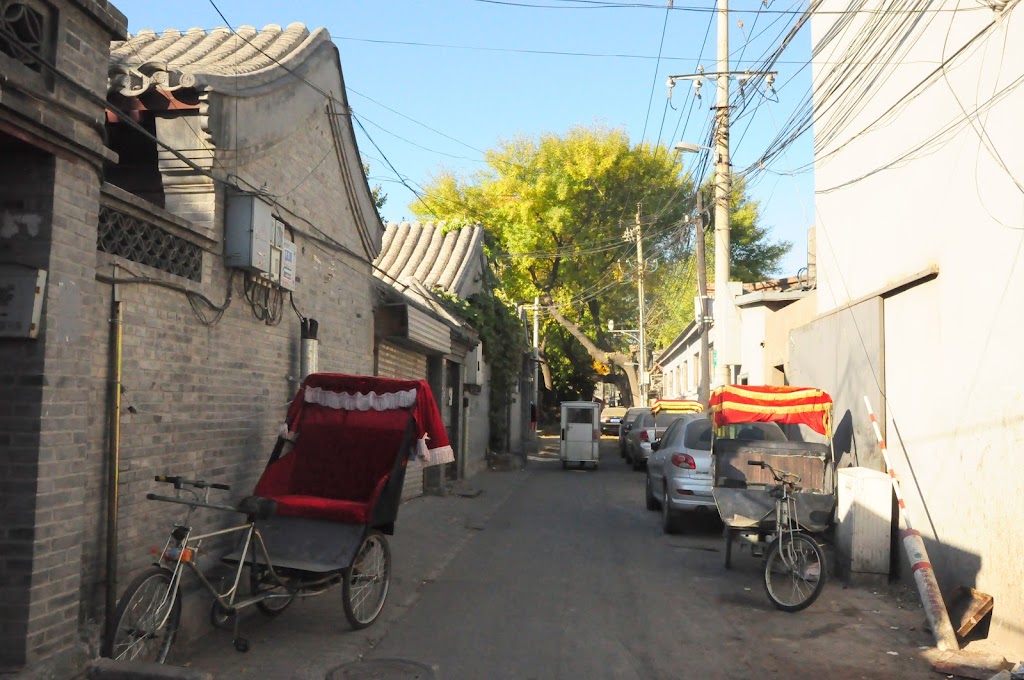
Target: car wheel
652,502
671,520
638,464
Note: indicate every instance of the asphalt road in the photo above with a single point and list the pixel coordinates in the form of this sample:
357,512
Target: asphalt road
571,577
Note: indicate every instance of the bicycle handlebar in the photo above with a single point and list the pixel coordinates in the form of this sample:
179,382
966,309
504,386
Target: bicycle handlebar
782,477
178,482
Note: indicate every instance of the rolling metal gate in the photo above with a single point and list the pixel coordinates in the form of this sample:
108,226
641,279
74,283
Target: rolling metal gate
398,362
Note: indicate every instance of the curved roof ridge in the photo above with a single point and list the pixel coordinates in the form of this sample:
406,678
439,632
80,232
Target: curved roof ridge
473,261
404,254
461,240
418,264
246,54
431,253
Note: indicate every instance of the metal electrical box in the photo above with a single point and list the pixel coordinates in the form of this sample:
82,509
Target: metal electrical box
250,231
21,300
254,240
864,523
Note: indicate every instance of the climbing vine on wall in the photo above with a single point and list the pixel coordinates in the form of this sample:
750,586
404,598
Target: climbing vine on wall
504,342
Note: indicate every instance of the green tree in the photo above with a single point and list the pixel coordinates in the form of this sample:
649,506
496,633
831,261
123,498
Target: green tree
558,210
753,257
379,197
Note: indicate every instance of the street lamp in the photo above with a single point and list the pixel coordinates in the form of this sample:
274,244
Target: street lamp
638,337
702,284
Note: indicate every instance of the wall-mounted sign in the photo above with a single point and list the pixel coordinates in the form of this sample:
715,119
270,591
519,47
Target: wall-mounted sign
21,300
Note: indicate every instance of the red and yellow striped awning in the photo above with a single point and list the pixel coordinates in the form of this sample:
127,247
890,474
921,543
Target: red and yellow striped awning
677,406
809,406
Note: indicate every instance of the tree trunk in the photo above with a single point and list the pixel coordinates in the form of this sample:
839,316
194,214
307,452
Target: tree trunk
620,359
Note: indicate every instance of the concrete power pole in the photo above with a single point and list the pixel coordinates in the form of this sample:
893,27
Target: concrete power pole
704,391
642,303
536,355
722,190
723,180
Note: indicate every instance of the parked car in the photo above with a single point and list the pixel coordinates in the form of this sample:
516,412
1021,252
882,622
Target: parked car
611,416
626,423
652,425
679,481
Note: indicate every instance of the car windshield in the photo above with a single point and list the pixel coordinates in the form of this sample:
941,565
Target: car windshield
665,419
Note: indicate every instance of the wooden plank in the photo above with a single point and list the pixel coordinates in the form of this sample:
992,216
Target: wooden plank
968,608
966,664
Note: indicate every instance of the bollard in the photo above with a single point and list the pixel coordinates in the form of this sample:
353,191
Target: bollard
913,544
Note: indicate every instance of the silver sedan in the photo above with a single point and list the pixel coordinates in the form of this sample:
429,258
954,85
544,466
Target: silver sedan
679,472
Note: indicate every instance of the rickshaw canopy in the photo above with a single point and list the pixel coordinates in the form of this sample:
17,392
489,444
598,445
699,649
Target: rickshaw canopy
676,406
733,404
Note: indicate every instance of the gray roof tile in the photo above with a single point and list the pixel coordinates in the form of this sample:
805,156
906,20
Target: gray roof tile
423,253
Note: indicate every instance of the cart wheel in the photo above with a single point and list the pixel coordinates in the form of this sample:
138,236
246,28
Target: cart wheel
241,645
794,572
728,547
261,581
365,584
565,465
221,617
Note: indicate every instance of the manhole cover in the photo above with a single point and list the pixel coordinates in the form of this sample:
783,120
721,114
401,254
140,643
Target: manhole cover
382,669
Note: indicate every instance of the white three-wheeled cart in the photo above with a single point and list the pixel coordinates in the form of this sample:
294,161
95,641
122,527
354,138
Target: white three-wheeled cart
581,433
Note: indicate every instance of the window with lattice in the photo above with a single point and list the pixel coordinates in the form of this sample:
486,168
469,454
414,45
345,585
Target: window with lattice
139,241
26,32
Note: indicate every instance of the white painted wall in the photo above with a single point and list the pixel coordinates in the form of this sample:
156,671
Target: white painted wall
752,340
953,363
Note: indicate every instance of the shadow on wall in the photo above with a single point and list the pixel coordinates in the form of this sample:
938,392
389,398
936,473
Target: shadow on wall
844,443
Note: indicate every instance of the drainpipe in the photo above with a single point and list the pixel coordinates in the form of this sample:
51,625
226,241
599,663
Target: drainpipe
310,347
113,455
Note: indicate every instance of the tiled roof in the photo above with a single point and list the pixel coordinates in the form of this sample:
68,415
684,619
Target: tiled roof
425,254
201,56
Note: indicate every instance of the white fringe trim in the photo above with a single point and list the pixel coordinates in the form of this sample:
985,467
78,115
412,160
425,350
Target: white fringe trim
438,456
346,401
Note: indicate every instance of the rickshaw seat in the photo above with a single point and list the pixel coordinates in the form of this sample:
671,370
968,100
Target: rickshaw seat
338,466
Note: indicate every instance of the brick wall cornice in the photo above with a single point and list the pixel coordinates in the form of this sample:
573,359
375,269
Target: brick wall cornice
106,15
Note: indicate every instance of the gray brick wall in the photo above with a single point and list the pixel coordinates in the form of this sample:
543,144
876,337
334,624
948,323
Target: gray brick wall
210,400
44,383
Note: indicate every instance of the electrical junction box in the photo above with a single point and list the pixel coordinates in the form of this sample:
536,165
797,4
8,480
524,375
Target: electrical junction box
21,300
864,524
250,234
288,263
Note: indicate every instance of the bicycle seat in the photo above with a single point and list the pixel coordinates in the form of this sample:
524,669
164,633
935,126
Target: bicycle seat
258,507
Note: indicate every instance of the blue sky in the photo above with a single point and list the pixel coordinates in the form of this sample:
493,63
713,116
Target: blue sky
480,96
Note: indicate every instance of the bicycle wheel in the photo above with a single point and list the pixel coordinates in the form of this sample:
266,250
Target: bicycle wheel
794,572
146,619
260,581
365,584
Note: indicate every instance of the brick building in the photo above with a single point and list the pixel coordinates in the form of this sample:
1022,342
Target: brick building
53,64
198,125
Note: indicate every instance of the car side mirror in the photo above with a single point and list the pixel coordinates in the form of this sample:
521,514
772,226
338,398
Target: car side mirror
629,427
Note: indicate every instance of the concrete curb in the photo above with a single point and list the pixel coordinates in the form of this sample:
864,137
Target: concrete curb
108,669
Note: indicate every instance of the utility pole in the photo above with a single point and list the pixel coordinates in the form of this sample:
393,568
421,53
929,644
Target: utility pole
723,179
704,391
642,304
722,190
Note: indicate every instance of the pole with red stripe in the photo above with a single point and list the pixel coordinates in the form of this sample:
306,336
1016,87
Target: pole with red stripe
913,544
